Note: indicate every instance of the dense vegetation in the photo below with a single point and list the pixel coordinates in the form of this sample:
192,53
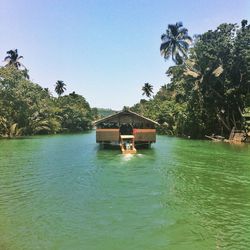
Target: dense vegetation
26,108
210,86
208,93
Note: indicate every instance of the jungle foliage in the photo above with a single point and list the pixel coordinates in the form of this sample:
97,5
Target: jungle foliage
209,91
27,109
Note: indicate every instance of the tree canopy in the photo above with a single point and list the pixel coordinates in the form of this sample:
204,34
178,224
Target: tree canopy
209,92
147,89
13,58
175,43
27,109
60,87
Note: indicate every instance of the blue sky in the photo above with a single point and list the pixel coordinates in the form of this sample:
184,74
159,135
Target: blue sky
104,50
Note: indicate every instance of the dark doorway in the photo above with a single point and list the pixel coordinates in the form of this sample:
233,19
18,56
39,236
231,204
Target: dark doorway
126,129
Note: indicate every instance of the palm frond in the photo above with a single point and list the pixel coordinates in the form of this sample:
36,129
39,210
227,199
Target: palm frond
189,72
165,46
178,59
188,39
163,37
184,45
6,58
179,24
218,71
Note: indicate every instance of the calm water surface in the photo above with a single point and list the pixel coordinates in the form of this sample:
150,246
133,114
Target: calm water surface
64,192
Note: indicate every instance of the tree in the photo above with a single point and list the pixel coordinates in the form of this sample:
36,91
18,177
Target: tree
13,59
60,87
26,73
73,94
147,89
175,43
26,108
75,113
209,93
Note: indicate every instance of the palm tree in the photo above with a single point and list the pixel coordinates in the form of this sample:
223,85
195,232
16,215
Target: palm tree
147,89
13,58
243,23
175,43
26,74
60,87
73,94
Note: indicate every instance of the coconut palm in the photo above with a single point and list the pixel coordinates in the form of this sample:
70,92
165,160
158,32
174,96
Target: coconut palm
147,89
175,43
73,94
13,59
243,23
26,73
60,87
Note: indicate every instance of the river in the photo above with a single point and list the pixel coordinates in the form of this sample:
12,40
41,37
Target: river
64,192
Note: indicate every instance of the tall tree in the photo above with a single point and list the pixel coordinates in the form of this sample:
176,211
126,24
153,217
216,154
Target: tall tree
60,87
147,89
26,73
210,91
13,59
175,43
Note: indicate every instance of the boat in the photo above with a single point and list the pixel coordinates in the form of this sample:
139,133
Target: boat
127,144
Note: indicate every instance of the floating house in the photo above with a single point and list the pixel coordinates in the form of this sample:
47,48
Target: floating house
127,129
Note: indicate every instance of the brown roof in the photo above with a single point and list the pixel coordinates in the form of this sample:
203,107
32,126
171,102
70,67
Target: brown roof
127,112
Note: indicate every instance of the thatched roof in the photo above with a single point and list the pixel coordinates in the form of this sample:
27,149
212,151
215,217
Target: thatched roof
125,113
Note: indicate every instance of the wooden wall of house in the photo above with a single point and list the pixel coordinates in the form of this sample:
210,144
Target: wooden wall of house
145,135
113,135
107,135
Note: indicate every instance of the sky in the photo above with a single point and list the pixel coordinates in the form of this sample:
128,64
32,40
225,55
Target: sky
104,50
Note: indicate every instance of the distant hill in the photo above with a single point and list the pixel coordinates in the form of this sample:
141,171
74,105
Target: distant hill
102,112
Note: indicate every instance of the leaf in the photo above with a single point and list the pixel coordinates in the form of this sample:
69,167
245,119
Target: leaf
218,71
189,72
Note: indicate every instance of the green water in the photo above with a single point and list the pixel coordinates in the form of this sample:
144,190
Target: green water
63,192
